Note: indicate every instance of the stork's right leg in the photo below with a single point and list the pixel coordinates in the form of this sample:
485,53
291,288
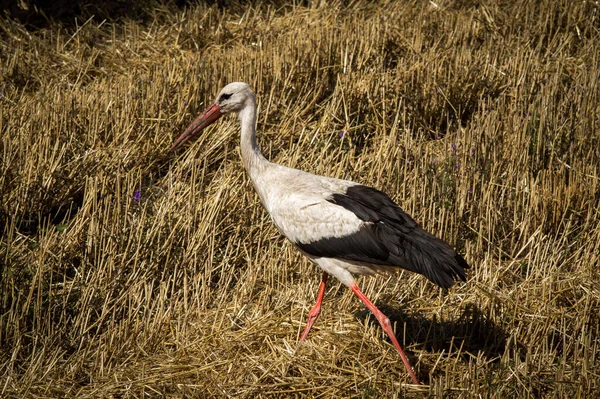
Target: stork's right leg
314,312
387,327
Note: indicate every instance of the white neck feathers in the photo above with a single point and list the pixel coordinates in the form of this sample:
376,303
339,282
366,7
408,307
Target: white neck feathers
253,160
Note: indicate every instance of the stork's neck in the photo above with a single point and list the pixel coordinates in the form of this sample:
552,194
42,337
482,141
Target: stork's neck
254,161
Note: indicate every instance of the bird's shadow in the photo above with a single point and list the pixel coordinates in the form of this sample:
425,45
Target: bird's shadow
473,333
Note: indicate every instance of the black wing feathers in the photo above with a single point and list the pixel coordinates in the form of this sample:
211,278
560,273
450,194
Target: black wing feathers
389,237
362,246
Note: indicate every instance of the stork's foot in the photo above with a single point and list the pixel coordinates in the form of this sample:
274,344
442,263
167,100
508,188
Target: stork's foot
316,310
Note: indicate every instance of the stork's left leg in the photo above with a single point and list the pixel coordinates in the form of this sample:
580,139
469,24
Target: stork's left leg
314,312
387,327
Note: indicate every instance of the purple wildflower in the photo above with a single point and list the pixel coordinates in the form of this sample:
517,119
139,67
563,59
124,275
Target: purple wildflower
137,195
453,147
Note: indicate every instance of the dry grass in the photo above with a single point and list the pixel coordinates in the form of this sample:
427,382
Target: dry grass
479,117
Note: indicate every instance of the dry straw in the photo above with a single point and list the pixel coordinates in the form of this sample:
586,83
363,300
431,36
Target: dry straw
479,117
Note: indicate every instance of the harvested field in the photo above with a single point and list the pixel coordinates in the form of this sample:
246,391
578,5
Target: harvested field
129,274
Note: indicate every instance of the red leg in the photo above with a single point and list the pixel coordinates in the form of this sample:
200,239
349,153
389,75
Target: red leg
314,312
387,327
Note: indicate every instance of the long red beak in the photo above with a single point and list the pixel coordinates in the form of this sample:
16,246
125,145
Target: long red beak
205,119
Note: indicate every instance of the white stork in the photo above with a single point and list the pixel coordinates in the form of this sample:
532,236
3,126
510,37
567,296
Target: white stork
342,226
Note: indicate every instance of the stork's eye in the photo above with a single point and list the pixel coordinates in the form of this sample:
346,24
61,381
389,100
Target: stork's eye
224,97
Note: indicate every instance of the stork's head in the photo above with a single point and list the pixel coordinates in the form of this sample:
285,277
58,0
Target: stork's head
233,98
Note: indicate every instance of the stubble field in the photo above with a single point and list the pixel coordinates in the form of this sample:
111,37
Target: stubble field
126,273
